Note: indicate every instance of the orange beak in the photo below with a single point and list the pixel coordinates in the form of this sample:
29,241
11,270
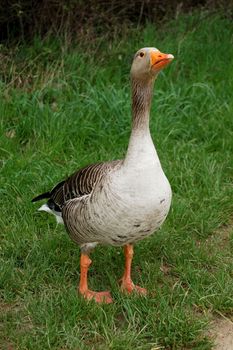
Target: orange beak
160,60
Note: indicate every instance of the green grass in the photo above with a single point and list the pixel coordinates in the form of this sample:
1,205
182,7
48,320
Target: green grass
62,108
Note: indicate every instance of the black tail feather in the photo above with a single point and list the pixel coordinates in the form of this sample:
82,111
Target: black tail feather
41,196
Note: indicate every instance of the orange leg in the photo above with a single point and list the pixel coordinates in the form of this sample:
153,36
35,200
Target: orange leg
127,284
99,297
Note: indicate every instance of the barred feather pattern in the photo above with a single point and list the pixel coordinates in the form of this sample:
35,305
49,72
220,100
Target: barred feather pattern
82,212
81,183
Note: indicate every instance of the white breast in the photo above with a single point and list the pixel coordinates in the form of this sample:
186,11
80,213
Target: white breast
142,176
145,191
134,201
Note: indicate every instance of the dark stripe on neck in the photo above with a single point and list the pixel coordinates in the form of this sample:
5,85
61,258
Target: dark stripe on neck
141,102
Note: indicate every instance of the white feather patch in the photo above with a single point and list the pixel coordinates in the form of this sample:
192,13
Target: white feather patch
45,207
58,216
59,219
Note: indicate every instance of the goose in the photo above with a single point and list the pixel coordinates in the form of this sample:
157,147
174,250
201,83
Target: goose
118,202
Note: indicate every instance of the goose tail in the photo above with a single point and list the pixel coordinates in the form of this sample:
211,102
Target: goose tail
41,196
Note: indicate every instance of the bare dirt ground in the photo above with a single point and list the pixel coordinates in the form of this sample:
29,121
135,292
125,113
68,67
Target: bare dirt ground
221,332
221,328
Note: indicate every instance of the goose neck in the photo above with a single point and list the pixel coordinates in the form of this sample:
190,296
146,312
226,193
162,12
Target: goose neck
140,146
141,103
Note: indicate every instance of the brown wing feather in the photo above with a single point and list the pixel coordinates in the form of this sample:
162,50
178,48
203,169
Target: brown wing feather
78,184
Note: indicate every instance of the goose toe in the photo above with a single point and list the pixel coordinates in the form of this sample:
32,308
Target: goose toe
99,297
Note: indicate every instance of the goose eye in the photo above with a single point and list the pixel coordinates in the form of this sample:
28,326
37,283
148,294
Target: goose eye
141,54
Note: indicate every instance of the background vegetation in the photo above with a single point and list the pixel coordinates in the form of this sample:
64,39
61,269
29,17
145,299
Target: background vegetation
74,19
65,105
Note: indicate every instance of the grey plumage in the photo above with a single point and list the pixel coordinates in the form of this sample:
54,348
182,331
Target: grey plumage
77,186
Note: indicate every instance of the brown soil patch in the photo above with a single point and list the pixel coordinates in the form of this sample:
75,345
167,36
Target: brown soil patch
221,332
220,238
221,328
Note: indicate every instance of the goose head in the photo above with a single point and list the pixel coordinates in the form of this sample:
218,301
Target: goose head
148,62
